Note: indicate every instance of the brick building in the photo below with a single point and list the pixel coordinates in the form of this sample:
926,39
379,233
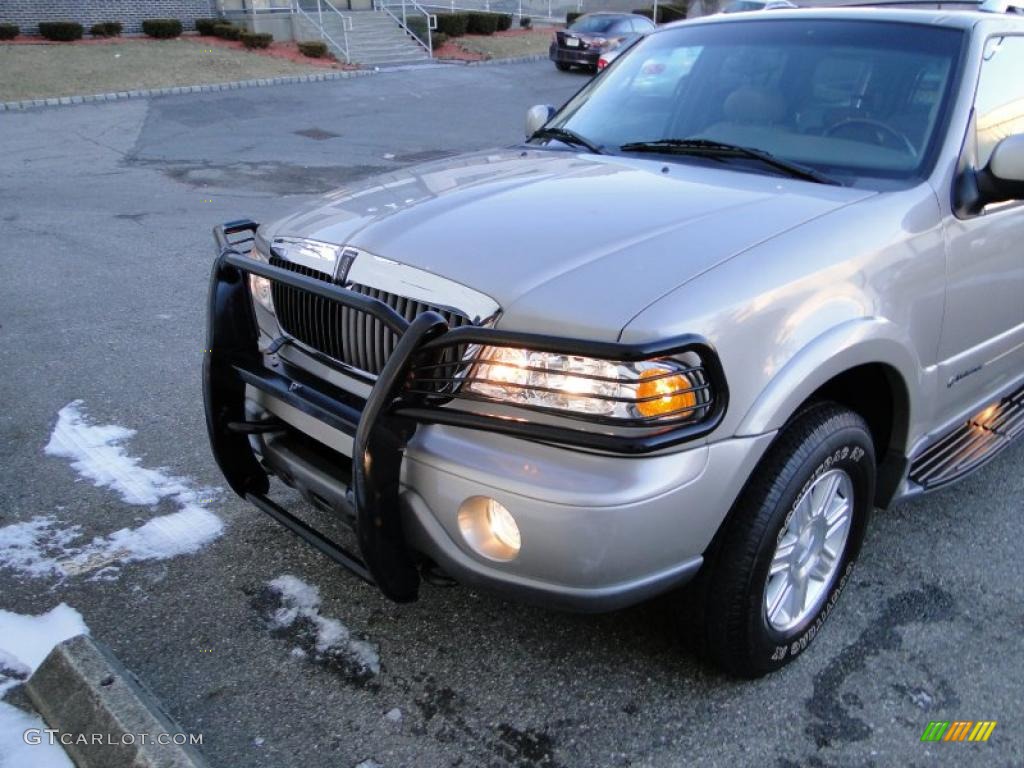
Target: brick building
28,13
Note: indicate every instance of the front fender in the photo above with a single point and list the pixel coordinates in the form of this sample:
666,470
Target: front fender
853,343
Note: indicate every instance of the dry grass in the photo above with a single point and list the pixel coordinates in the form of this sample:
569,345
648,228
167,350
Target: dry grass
508,44
44,71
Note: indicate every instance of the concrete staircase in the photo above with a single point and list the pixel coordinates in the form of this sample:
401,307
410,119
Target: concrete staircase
375,39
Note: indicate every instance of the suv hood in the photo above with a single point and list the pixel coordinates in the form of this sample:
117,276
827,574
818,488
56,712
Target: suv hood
566,243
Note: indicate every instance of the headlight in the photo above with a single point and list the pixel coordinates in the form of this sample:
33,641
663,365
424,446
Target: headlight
260,287
652,390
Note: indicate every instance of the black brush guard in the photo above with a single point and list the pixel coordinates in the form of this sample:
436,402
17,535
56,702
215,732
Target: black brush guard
382,425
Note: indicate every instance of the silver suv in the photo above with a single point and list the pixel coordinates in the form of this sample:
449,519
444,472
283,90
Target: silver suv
760,276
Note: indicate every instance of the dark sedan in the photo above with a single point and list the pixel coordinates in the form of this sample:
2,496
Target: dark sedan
583,42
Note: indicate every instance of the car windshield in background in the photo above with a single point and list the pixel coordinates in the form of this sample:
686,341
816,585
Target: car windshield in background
848,98
593,23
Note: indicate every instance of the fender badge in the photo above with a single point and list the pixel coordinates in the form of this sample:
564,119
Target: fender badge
962,375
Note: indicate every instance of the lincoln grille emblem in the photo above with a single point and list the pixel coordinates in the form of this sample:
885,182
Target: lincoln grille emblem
348,256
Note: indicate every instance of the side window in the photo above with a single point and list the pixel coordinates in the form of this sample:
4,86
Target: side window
999,102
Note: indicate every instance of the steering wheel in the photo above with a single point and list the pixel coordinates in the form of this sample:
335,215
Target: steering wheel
873,132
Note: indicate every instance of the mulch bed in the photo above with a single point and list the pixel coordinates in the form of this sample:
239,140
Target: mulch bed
277,50
452,51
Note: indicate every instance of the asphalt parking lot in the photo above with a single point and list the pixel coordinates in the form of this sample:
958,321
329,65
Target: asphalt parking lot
106,212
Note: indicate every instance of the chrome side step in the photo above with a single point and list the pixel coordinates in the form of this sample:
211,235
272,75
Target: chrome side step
970,445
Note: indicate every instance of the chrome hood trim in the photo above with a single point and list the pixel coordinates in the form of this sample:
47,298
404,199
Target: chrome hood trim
415,283
350,266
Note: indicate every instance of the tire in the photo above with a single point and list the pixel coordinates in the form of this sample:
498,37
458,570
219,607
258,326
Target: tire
751,624
562,66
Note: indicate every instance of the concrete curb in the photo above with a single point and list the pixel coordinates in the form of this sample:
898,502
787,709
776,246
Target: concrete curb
495,62
509,60
318,77
83,691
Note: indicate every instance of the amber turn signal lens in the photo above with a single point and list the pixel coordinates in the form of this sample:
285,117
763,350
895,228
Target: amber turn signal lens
672,399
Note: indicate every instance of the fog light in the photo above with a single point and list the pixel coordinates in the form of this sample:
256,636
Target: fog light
503,525
489,528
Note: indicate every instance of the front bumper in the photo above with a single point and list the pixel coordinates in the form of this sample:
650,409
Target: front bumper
599,530
586,57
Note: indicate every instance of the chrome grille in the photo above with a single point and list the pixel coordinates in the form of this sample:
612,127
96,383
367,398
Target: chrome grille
349,336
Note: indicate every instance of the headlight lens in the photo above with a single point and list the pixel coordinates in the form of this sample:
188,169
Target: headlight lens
644,391
260,287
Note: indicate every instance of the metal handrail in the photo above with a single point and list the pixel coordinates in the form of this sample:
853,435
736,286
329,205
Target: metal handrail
383,5
515,8
346,24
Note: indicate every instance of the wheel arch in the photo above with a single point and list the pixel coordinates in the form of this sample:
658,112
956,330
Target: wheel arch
863,367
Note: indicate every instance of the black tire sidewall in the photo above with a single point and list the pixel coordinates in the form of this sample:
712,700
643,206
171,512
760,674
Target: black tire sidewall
849,449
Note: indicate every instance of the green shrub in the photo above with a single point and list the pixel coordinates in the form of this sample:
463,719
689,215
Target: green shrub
60,30
106,29
418,26
162,29
670,13
437,39
453,24
227,31
482,23
256,39
525,22
571,16
315,49
504,21
9,31
205,26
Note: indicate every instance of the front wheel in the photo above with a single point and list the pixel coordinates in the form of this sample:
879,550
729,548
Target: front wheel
777,568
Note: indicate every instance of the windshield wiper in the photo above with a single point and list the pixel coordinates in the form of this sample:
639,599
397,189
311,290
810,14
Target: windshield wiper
711,148
566,136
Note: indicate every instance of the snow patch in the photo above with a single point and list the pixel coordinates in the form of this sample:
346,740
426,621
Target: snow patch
330,639
16,753
96,454
24,642
27,639
36,547
40,547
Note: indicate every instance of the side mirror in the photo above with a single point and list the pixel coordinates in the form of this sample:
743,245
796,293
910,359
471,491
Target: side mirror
1003,178
537,116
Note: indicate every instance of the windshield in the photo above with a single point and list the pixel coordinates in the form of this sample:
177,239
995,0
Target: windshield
593,23
853,98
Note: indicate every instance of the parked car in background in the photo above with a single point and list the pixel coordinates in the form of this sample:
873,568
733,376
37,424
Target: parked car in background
743,6
584,41
607,58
